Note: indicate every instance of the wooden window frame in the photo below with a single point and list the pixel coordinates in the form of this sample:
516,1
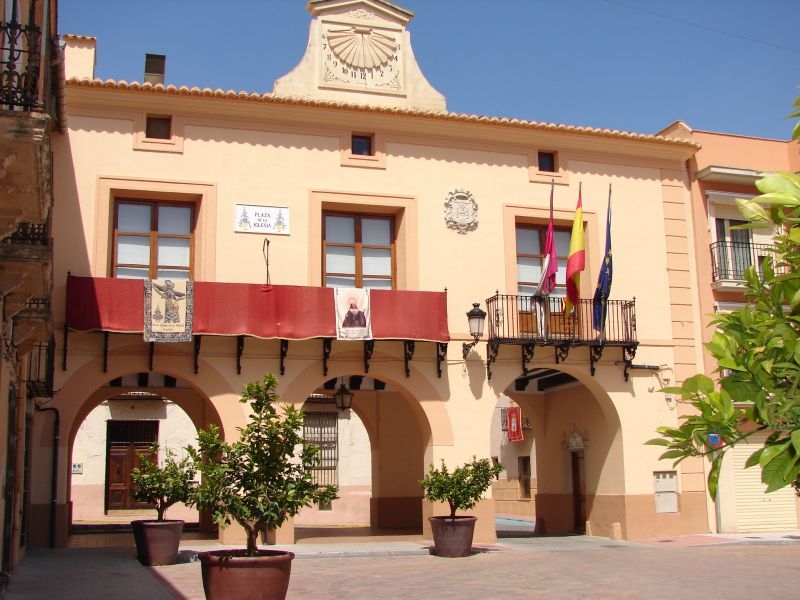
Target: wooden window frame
542,231
359,247
153,235
173,144
559,176
375,160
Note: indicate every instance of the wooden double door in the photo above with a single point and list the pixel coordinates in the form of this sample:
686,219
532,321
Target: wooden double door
127,443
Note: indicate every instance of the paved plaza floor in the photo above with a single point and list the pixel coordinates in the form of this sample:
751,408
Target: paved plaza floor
568,568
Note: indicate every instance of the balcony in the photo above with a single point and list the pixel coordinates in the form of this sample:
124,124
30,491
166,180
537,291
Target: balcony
29,108
270,312
529,322
730,260
41,362
20,64
26,272
32,325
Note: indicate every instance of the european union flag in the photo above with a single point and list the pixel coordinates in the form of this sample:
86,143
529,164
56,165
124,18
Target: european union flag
601,293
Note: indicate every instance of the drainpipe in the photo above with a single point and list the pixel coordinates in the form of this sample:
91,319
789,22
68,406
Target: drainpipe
53,472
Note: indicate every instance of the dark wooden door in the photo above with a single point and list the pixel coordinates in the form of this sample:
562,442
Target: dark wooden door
578,491
128,441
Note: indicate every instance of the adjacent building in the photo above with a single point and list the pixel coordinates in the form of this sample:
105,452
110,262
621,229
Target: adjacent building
727,167
30,115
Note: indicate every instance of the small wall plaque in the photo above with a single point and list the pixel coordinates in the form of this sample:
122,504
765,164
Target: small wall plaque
251,218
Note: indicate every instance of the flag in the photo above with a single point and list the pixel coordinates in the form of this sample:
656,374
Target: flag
514,423
550,265
576,261
601,293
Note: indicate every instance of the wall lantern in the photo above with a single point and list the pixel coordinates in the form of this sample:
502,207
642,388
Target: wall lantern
343,397
476,318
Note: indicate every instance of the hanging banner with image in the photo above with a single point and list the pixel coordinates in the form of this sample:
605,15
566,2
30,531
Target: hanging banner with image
168,310
514,422
353,316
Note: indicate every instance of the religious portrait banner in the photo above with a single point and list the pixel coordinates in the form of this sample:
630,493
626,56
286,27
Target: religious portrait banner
353,316
168,310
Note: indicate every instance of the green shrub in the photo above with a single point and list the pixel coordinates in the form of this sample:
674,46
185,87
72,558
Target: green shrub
263,477
462,488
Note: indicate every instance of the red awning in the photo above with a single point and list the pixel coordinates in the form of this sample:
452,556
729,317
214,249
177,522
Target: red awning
275,311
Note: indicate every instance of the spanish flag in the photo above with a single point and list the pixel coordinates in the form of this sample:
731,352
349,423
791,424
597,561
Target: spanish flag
576,261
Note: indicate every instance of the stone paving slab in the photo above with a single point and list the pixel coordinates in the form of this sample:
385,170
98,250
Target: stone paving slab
586,572
558,568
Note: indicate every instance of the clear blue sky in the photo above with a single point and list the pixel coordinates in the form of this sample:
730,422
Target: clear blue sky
636,65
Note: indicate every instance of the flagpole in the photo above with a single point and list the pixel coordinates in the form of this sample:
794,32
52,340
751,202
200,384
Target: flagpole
540,301
603,290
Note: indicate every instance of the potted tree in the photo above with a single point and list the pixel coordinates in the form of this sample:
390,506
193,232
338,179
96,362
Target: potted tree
461,489
162,485
257,481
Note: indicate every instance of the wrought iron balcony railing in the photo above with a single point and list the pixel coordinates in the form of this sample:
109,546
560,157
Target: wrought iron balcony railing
529,322
20,64
729,260
30,234
41,367
525,319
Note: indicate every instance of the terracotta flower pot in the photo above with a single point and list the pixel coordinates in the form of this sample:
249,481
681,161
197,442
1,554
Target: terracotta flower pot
231,574
452,537
157,542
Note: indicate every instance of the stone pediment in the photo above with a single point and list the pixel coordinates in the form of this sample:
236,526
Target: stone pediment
359,52
361,10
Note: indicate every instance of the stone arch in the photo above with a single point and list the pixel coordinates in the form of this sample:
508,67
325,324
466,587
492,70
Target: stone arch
90,379
402,423
565,476
206,399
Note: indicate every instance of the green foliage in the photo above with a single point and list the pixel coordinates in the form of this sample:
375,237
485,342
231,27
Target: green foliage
265,476
757,353
796,113
163,484
462,488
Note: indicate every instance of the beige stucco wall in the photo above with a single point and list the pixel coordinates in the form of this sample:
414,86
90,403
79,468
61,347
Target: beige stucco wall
228,150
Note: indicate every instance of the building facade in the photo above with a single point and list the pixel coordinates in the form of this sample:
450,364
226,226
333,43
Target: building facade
351,187
30,114
727,167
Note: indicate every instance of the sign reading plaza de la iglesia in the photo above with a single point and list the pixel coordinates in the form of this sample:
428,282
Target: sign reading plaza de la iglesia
262,219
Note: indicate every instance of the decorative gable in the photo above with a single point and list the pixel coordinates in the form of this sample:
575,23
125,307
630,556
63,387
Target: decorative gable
359,52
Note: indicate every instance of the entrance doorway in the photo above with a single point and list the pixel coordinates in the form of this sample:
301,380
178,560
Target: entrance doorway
128,442
578,490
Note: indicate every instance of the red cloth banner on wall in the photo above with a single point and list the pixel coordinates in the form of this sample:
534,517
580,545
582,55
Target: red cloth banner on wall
514,422
264,311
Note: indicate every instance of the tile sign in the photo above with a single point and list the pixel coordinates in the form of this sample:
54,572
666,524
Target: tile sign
251,218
